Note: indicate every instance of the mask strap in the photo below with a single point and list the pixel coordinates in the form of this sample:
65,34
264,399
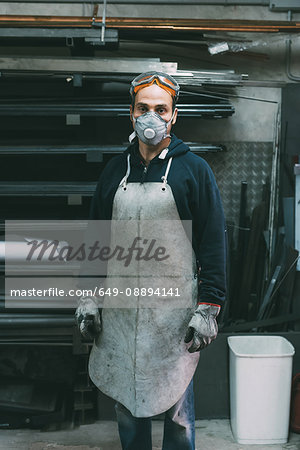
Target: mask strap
133,134
123,182
165,176
168,123
172,116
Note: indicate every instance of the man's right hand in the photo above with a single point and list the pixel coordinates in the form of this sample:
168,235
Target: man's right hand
88,318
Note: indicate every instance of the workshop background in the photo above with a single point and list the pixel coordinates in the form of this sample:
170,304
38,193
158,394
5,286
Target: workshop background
65,69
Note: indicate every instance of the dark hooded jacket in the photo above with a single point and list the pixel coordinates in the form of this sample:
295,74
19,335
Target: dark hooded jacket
197,199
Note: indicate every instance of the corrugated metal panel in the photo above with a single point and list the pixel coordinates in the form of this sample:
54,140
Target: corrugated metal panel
243,161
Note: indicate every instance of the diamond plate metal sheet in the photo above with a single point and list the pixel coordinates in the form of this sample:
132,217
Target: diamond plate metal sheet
243,161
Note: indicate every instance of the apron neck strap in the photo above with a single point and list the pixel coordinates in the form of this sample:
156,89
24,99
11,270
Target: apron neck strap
123,182
165,176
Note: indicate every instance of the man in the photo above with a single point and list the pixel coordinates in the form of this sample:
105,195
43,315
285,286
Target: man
145,359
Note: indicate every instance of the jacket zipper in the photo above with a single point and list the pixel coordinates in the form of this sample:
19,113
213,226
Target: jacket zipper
144,174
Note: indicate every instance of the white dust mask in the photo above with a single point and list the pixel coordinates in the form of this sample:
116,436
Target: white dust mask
150,128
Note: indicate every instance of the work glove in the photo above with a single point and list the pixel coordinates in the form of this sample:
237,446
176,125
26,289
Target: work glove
88,317
203,327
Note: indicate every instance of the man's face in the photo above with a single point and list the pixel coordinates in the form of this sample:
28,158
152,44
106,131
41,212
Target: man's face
154,98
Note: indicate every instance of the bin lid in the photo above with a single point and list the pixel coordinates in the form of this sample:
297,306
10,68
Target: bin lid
260,346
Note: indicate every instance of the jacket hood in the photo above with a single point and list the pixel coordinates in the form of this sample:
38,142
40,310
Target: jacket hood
176,147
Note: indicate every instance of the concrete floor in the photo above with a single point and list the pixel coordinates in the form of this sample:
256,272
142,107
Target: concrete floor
103,435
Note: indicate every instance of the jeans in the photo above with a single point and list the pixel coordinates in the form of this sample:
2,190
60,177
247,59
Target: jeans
179,426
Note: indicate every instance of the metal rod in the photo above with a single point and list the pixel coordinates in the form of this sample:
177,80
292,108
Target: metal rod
38,109
273,208
24,322
21,341
103,21
47,188
110,71
158,2
31,316
48,150
140,23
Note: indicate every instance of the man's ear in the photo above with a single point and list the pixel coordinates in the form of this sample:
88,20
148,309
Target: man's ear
175,116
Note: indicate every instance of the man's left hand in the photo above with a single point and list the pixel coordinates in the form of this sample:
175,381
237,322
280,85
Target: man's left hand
203,327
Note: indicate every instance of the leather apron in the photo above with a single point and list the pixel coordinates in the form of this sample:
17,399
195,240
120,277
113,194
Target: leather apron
140,358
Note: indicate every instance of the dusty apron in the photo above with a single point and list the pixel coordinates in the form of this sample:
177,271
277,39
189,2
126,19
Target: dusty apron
140,358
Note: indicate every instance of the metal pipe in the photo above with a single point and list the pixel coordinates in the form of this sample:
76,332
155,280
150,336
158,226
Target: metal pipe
103,21
26,341
150,23
158,2
113,110
47,188
49,150
24,322
273,207
31,316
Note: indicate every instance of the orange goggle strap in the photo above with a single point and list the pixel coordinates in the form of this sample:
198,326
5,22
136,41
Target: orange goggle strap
155,79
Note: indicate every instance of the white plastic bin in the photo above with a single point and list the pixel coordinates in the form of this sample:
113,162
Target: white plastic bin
260,388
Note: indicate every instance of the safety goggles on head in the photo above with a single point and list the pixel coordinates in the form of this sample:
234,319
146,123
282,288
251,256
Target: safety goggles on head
163,80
